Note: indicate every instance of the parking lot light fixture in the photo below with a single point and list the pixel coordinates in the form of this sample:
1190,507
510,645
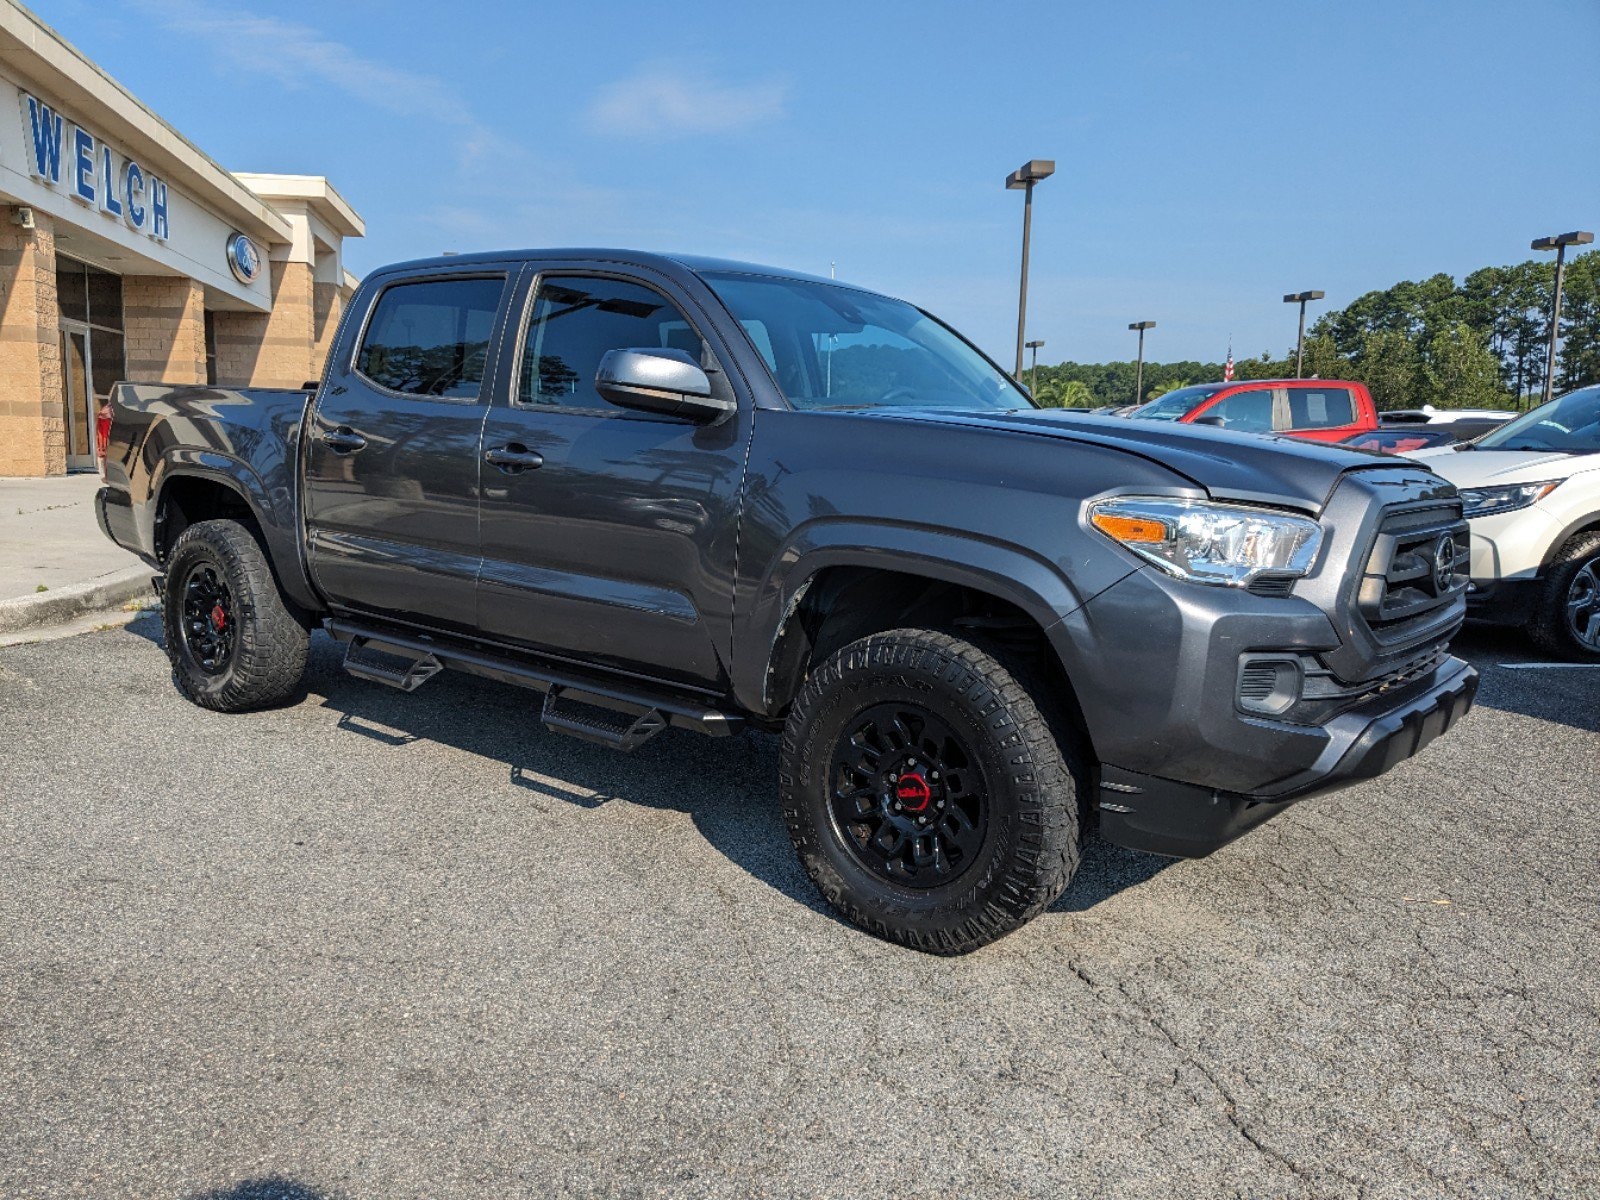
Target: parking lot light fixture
1559,243
1300,342
1033,370
1023,178
1138,376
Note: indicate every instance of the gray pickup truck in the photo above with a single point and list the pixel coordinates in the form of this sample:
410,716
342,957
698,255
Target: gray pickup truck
682,492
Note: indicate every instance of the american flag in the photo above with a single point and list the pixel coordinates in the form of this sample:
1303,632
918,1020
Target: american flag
1227,369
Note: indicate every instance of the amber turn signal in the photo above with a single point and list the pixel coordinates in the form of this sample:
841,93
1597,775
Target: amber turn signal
1130,529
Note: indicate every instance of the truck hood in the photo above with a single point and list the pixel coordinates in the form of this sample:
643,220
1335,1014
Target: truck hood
1490,468
1229,466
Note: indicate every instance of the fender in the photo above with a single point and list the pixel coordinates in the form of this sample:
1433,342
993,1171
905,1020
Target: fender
1006,571
275,515
1590,521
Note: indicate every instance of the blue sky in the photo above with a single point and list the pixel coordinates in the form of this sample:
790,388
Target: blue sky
1210,157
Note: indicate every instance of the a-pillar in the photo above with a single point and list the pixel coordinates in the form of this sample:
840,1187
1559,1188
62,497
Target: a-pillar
33,438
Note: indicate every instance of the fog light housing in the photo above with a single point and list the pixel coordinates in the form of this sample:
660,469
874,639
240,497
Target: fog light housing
1269,686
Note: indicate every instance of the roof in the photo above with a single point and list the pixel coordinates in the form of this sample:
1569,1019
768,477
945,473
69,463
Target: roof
668,264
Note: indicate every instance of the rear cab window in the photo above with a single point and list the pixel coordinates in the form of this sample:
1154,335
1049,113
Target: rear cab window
1320,407
430,337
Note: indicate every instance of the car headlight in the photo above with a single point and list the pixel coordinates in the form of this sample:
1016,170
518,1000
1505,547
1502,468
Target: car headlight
1226,544
1487,501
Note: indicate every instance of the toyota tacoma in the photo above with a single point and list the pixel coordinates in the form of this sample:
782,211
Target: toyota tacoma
671,491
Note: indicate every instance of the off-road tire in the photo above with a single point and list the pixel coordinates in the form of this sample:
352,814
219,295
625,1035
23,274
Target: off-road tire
1549,627
1032,847
269,647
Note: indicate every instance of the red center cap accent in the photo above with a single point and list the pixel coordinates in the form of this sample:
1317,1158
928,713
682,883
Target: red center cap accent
913,792
219,619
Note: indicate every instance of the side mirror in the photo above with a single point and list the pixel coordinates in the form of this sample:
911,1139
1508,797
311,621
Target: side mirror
1215,421
667,382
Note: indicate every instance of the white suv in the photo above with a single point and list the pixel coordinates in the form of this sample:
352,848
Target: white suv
1532,492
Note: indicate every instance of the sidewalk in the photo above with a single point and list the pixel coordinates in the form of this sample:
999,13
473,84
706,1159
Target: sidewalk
49,539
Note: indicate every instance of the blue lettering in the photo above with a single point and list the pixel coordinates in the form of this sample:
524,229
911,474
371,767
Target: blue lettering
158,208
133,193
46,128
83,165
108,183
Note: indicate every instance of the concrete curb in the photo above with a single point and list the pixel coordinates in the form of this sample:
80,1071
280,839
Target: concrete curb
63,604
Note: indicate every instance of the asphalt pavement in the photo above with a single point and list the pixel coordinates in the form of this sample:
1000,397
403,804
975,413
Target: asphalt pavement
373,945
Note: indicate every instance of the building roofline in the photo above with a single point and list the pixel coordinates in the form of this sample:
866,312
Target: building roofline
317,193
68,77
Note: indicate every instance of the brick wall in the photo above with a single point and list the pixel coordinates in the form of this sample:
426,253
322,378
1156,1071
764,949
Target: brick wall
276,349
33,437
163,321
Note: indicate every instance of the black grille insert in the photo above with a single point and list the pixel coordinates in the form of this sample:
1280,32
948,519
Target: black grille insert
1418,564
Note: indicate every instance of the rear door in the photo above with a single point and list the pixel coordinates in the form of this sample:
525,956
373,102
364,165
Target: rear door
391,460
617,547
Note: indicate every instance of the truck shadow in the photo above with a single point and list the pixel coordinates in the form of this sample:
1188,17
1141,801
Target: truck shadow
727,787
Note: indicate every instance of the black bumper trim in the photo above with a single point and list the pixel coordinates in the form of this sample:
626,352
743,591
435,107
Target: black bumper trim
1166,816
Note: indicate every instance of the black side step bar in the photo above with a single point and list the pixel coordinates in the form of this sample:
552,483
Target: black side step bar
597,708
410,673
592,723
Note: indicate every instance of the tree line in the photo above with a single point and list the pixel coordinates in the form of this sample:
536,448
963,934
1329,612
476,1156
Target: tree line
1480,343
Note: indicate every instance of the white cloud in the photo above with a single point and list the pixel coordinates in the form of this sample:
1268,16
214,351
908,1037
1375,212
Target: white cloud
299,57
661,101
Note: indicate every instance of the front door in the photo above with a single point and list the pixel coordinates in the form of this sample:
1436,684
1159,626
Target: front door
618,547
77,374
391,481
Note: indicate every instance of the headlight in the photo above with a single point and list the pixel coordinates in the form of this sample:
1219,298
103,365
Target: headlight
1225,544
1485,502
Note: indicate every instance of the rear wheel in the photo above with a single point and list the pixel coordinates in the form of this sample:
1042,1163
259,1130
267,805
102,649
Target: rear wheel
1566,621
926,792
233,642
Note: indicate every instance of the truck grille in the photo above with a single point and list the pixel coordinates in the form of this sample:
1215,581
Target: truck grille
1418,564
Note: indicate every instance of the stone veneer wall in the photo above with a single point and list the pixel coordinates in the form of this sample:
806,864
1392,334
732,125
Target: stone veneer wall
276,349
33,438
163,320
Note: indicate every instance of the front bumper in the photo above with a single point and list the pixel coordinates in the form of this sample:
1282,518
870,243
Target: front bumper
1165,816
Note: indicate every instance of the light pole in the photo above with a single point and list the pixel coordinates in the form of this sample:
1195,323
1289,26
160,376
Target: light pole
1300,342
1024,177
1559,243
1138,378
1033,371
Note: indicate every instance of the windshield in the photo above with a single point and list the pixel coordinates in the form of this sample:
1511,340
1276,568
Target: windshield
835,347
1568,425
1174,405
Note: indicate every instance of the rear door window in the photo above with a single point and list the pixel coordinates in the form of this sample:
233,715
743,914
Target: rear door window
1320,408
431,337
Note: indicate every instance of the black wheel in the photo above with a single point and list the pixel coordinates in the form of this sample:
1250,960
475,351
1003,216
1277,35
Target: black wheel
1566,622
233,642
927,794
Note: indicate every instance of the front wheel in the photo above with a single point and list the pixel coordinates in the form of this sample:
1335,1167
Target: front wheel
1566,622
927,794
233,642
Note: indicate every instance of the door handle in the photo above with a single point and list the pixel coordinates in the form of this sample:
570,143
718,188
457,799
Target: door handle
343,440
514,457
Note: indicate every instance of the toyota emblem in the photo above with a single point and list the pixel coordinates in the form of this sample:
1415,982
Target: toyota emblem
1444,564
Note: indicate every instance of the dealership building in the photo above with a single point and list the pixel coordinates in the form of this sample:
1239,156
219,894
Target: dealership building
127,253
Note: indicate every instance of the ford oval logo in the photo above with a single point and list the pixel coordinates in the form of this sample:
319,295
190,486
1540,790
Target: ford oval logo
244,258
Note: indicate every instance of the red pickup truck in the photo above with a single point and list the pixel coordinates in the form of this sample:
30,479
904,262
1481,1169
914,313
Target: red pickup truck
1321,410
